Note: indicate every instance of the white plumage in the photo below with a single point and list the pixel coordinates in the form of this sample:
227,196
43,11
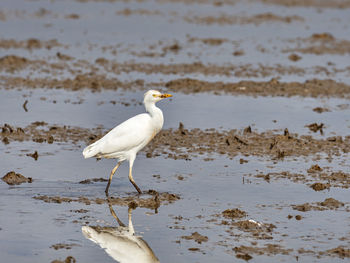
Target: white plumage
124,141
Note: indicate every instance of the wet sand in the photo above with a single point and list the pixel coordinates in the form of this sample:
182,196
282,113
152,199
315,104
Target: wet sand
252,161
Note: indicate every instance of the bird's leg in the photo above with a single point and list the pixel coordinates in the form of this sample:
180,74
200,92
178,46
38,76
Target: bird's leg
132,180
112,211
131,227
110,177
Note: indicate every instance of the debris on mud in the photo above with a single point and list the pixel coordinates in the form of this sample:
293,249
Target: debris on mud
252,226
25,106
12,178
196,237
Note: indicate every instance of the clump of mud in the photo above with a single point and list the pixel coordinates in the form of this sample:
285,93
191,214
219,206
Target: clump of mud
340,251
320,186
259,230
331,203
294,57
320,110
68,259
12,63
93,180
245,256
327,204
314,169
251,228
12,178
234,213
268,249
34,155
196,237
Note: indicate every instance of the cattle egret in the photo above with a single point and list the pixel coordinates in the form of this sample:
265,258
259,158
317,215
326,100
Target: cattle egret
124,141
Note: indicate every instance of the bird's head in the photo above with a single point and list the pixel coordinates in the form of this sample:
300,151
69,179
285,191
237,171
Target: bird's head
153,96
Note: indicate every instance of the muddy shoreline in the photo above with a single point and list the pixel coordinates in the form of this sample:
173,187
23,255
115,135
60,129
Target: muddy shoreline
269,183
185,143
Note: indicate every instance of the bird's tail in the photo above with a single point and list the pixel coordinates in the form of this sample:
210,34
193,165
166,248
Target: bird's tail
90,233
91,150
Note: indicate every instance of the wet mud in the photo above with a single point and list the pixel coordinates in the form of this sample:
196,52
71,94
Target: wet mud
185,143
317,178
32,43
310,88
223,194
321,43
150,199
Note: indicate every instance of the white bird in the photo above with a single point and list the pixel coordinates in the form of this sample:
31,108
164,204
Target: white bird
124,141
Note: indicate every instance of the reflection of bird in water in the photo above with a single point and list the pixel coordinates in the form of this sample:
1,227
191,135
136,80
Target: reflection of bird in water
121,243
124,141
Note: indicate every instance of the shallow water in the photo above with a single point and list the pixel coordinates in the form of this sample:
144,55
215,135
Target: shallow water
29,228
108,108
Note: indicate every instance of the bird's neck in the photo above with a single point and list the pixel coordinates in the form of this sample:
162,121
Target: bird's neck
156,114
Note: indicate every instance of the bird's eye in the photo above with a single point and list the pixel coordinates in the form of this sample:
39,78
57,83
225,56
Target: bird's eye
154,95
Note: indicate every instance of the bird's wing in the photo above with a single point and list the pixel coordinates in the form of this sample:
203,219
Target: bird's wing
127,135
